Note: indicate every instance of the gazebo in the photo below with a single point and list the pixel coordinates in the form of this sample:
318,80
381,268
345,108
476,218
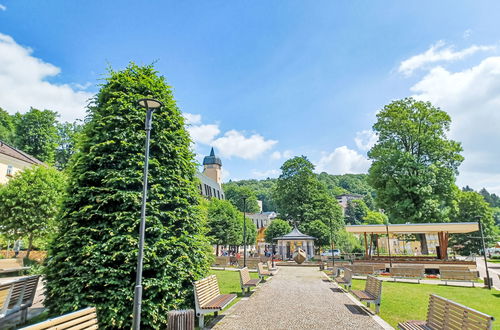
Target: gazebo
294,239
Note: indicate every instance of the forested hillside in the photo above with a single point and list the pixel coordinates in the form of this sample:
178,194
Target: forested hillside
336,185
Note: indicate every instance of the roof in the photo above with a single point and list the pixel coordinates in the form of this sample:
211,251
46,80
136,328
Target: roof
416,228
10,151
294,235
212,159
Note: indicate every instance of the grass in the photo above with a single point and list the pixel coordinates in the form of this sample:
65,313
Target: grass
495,261
408,301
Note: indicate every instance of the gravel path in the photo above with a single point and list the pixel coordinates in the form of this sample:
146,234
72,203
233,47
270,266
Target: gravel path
297,298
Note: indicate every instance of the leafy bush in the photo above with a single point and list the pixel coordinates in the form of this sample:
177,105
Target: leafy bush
92,261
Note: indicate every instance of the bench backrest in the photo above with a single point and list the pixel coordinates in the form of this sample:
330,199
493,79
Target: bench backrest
417,270
11,263
206,289
250,263
260,268
5,293
221,261
347,274
460,275
446,314
373,286
269,264
244,275
23,291
362,269
447,267
82,319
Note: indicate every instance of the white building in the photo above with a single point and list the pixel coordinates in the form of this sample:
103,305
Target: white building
13,160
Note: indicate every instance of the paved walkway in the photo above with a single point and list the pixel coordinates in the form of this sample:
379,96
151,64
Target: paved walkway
297,298
493,268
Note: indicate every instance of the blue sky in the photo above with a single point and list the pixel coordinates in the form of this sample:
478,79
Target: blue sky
266,80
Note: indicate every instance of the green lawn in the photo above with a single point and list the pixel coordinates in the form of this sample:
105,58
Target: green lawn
495,261
408,301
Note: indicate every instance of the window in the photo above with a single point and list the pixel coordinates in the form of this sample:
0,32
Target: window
218,194
10,170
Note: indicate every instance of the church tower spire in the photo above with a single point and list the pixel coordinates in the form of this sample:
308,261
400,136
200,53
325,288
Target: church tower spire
212,167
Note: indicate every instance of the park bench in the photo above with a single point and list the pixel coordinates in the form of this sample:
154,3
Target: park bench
221,261
245,281
270,266
12,265
346,279
446,314
233,261
264,272
457,274
82,319
251,263
208,298
408,272
362,269
372,292
17,296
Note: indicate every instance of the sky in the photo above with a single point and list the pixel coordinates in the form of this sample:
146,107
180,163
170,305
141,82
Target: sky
263,81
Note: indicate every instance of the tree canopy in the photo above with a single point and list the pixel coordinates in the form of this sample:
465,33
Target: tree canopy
277,228
235,195
224,223
30,203
414,163
96,246
355,211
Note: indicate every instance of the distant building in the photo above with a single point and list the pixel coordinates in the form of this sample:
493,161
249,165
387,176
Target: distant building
344,198
263,219
13,160
211,178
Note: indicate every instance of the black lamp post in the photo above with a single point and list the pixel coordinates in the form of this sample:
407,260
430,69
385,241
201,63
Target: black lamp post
150,105
484,251
244,232
388,242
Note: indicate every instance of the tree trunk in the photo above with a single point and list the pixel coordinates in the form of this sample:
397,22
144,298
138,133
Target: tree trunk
423,244
217,250
30,245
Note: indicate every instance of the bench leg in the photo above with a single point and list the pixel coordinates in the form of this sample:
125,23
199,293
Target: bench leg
377,308
201,321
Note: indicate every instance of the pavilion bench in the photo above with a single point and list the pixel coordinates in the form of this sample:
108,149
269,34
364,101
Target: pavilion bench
372,292
416,272
17,296
446,314
82,319
458,274
362,269
12,265
346,279
246,282
208,298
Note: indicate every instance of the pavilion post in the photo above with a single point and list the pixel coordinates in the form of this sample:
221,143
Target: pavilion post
366,247
388,243
371,245
484,252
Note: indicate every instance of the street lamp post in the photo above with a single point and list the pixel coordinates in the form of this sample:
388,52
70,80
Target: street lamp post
150,105
244,232
484,251
388,242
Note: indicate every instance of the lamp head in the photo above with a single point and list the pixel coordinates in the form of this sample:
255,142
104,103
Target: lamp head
150,103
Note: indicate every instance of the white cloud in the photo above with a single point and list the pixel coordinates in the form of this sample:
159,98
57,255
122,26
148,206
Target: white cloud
203,133
437,53
191,118
23,83
279,155
472,98
2,7
467,33
343,160
234,143
265,174
365,140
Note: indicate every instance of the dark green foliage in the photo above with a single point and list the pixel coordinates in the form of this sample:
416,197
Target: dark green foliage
92,261
319,230
30,203
224,223
68,138
261,188
235,195
492,199
251,231
277,228
36,134
355,211
414,163
7,128
472,205
346,183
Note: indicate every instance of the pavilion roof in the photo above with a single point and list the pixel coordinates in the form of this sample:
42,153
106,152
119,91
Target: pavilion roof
294,235
415,228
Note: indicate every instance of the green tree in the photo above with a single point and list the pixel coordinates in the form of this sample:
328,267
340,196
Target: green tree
223,223
374,218
414,163
472,206
67,141
319,230
7,128
347,242
355,211
235,195
36,134
251,232
96,246
277,228
370,202
30,203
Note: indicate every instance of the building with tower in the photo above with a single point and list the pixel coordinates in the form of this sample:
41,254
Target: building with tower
211,178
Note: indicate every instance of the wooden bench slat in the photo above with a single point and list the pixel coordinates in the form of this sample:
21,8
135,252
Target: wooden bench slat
81,319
